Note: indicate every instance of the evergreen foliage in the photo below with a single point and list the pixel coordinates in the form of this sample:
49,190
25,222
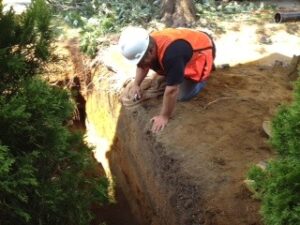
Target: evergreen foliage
44,165
24,44
278,186
45,170
286,128
281,199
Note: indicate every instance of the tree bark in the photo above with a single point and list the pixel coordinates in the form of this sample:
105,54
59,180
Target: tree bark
178,13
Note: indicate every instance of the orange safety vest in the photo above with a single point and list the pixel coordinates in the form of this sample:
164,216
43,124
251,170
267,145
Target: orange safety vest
200,65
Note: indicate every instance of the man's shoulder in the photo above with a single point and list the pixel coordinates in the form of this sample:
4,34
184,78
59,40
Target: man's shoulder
178,48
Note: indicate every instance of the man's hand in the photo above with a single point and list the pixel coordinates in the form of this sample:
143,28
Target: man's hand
159,123
169,101
136,92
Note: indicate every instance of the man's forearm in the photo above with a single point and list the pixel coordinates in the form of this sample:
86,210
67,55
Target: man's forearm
169,101
140,75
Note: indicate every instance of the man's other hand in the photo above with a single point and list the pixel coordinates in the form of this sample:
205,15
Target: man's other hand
159,123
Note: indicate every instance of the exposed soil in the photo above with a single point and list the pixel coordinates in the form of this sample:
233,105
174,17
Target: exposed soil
216,138
192,172
117,213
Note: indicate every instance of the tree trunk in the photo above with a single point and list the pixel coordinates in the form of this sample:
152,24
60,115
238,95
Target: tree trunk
178,13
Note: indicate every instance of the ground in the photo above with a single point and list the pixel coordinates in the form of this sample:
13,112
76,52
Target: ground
203,155
216,137
193,171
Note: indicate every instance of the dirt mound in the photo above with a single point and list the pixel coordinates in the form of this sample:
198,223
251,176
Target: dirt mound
216,137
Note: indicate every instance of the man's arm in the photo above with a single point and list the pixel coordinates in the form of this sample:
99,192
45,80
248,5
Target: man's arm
140,75
169,102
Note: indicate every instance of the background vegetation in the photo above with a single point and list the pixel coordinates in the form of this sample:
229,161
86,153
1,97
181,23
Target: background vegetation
97,18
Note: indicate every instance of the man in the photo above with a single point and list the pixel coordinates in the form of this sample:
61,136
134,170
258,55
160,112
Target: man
185,57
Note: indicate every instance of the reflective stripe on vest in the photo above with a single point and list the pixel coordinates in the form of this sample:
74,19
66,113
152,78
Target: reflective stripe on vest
200,65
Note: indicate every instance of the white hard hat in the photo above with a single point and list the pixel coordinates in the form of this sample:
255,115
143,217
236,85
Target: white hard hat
133,43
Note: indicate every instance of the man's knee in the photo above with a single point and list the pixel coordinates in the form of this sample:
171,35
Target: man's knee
189,89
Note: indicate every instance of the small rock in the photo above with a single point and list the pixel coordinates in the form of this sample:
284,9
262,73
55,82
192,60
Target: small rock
265,40
267,126
188,204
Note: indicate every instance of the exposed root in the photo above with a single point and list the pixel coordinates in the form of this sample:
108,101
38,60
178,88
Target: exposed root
225,98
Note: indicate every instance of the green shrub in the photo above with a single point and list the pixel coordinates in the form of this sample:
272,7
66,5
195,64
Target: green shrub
45,170
286,128
24,44
279,188
259,176
44,166
281,199
17,180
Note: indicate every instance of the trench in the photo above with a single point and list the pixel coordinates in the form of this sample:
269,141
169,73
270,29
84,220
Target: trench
145,183
103,111
126,186
97,126
135,162
116,212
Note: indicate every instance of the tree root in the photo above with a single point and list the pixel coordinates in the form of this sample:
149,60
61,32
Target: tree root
225,98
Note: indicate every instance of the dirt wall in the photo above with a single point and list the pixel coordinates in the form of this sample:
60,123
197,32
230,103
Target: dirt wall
139,164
